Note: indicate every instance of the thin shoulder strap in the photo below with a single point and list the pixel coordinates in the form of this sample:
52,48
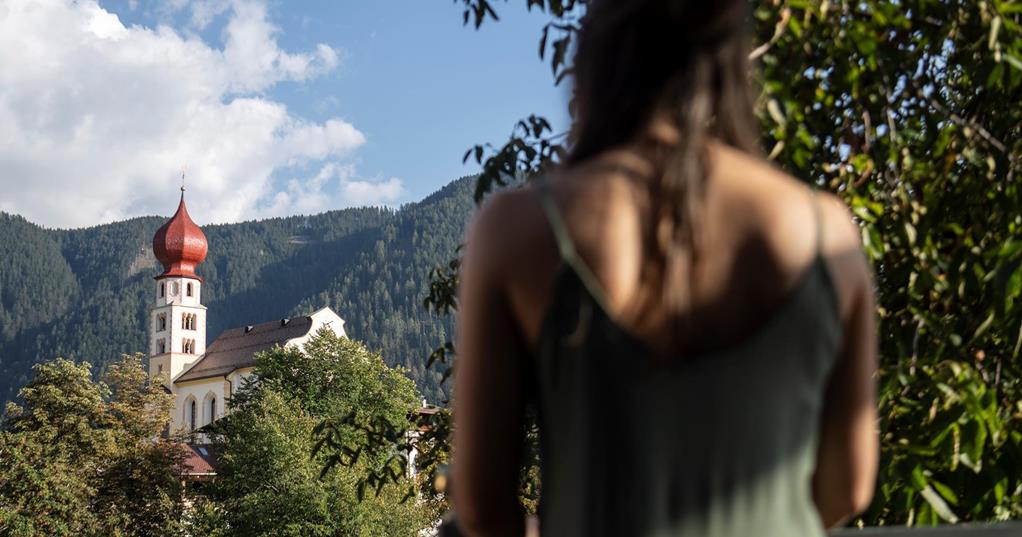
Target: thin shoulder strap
818,217
566,247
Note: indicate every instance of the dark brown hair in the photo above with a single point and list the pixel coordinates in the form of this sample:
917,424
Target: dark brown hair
685,61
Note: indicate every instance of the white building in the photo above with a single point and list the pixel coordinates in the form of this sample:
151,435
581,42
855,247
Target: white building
203,379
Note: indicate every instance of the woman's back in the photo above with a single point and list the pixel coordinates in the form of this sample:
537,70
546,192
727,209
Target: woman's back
763,231
717,438
702,423
695,327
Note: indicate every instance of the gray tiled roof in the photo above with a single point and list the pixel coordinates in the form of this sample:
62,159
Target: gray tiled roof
236,347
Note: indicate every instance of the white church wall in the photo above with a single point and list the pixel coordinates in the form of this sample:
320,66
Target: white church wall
202,391
322,318
239,377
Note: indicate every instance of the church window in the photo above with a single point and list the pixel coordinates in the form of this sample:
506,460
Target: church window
188,321
212,409
161,322
191,416
188,289
161,346
188,346
174,288
163,289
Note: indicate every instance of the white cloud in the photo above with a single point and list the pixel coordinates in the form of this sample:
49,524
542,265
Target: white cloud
373,193
253,58
335,186
96,117
204,11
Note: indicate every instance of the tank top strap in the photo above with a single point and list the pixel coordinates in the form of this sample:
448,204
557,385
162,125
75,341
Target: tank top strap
818,218
566,246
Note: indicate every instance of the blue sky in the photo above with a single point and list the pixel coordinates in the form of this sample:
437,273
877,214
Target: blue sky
372,102
421,86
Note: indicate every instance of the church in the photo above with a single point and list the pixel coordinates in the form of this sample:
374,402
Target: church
202,379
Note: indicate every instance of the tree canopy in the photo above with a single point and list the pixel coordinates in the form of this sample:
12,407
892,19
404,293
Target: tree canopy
80,457
274,478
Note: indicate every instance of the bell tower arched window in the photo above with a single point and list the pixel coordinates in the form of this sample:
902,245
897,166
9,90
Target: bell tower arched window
163,289
189,289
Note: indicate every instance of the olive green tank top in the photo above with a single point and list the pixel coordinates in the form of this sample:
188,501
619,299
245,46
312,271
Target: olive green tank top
712,445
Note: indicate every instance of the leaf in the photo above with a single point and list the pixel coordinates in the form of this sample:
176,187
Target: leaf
910,233
775,112
918,479
945,492
542,41
940,507
330,463
984,326
995,28
409,494
1018,343
1013,61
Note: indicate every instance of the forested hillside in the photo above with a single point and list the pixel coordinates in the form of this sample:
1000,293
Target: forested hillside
84,294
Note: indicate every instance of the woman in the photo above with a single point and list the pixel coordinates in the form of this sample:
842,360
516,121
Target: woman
694,327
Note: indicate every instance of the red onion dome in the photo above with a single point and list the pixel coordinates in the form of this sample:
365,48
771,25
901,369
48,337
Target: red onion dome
180,245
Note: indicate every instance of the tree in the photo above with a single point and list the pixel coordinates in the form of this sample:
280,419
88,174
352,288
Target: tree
141,484
265,481
86,458
41,492
908,111
272,478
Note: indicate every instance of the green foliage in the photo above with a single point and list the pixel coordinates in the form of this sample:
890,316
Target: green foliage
36,282
908,111
41,493
278,472
266,483
85,458
86,293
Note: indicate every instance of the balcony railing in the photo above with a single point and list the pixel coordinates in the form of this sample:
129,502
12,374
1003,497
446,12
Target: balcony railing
960,530
1006,529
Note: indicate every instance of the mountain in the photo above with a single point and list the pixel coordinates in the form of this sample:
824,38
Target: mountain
85,294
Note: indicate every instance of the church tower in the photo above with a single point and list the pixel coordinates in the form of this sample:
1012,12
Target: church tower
177,329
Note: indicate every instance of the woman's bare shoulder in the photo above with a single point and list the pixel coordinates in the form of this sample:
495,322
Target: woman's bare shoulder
798,219
841,246
506,227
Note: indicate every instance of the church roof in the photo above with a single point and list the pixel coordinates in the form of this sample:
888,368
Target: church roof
179,244
199,460
236,348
